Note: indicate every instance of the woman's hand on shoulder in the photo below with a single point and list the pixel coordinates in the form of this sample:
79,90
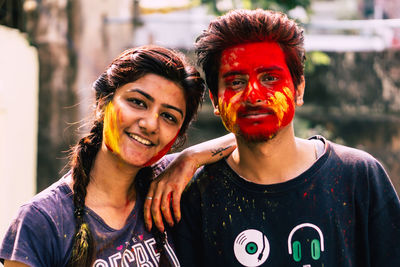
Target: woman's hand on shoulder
164,196
165,192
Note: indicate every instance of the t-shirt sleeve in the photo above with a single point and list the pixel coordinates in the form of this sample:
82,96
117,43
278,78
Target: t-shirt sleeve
163,163
384,221
28,239
187,233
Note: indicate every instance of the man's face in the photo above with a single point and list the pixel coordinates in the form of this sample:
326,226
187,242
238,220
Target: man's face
255,90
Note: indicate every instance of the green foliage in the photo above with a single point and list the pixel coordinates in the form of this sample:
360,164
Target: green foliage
305,128
280,5
316,58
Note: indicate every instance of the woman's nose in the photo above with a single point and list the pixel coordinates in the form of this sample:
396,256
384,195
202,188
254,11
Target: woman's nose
149,123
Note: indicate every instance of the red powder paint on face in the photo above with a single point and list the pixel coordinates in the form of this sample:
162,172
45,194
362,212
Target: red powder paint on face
256,91
162,152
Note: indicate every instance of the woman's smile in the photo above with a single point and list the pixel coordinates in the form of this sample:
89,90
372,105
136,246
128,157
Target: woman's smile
140,139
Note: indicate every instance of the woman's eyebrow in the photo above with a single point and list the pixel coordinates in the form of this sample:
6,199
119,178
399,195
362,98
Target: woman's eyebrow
146,95
174,108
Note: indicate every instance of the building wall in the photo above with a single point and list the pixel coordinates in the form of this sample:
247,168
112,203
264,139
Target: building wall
18,120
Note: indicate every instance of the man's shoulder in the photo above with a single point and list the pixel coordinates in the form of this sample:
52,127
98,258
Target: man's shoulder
352,155
211,172
208,175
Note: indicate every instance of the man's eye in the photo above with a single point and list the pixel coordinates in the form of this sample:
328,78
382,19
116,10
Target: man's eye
137,102
269,78
236,84
170,118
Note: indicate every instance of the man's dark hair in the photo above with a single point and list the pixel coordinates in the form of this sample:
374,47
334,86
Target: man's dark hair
249,26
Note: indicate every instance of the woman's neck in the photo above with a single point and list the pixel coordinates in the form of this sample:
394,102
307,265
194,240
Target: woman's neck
111,181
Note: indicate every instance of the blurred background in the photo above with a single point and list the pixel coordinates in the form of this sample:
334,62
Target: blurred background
52,50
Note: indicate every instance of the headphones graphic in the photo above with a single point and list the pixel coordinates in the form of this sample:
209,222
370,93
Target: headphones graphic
317,246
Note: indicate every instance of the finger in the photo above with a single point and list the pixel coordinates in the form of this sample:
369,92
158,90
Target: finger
147,205
166,208
176,204
155,207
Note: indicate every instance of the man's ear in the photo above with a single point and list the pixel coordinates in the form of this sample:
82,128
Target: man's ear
214,102
300,92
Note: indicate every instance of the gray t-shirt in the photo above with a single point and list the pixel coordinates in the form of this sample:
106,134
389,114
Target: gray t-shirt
43,231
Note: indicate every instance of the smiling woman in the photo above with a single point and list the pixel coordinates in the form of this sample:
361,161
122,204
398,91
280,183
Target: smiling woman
144,119
93,216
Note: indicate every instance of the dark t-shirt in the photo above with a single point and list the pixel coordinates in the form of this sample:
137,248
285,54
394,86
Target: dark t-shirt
43,231
342,211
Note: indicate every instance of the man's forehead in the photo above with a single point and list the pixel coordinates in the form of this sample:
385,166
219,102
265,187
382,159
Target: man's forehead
253,47
255,55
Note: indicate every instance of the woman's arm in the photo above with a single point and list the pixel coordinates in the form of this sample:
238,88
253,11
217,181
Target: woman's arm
168,187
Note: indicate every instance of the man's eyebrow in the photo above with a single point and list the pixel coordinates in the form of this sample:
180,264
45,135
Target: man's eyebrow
150,98
146,95
269,68
233,73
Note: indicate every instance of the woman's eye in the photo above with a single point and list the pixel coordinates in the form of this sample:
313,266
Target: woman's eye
137,102
169,117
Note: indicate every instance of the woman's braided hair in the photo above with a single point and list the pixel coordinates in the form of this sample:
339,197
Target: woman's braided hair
128,67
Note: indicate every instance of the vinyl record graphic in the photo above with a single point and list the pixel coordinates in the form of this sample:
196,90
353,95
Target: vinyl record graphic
251,248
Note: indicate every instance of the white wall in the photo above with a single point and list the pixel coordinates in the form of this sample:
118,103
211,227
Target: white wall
18,123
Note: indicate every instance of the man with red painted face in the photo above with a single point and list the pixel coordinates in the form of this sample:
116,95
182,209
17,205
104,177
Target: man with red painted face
279,200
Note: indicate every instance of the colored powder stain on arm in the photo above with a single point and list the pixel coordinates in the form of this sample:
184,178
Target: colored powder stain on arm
111,135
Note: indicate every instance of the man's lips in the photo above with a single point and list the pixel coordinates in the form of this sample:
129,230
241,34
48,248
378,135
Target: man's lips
255,112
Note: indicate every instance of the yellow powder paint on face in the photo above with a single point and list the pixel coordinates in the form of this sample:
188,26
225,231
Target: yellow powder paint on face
111,135
280,104
229,112
229,117
288,93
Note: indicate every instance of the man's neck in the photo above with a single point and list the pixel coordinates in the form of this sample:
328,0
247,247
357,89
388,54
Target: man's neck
277,160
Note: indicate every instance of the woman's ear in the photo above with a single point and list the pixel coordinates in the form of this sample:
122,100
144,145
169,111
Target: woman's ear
300,92
214,102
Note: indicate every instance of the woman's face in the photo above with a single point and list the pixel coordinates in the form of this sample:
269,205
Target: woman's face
143,120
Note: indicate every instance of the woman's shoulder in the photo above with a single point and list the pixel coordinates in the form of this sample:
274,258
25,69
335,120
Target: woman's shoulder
41,226
57,193
53,201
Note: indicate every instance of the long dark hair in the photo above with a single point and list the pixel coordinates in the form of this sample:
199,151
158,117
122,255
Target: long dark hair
128,67
248,26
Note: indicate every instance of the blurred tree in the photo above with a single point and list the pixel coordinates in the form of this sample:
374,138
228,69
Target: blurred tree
11,14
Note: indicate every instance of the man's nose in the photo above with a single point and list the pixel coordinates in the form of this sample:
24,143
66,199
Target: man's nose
254,93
